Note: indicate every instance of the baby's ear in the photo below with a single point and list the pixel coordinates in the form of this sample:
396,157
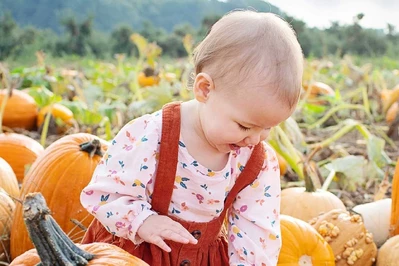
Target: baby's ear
203,84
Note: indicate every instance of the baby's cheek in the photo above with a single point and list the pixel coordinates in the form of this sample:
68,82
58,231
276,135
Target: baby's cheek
264,135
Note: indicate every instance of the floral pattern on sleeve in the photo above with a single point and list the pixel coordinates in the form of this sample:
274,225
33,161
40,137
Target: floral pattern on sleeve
254,224
117,194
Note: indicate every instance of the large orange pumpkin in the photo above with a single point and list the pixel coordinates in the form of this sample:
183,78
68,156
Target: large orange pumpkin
21,110
60,174
19,151
8,179
302,245
53,247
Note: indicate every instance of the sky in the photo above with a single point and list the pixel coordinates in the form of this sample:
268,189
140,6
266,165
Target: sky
320,13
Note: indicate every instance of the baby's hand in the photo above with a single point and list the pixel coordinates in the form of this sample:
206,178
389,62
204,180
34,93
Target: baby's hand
157,228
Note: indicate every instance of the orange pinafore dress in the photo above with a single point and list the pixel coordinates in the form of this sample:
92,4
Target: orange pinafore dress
211,248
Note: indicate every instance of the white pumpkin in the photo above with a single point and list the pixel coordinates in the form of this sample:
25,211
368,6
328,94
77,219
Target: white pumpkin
376,217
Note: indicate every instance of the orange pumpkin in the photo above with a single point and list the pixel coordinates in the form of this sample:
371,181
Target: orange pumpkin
318,89
53,247
148,77
388,97
57,111
21,110
7,207
60,174
302,245
8,179
19,151
392,113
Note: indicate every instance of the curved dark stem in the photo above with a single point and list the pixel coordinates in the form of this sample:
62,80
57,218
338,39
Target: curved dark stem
52,244
92,147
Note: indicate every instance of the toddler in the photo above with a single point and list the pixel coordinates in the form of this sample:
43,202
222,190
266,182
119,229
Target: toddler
169,179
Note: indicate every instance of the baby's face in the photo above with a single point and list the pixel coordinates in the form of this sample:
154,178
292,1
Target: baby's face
234,118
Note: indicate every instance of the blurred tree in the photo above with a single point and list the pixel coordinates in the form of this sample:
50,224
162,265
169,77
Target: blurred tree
121,41
8,38
172,45
182,29
78,37
206,24
150,32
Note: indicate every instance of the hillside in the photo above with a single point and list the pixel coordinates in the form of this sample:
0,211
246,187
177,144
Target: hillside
108,14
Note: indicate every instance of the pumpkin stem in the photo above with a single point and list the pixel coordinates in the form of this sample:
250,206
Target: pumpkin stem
310,173
149,72
309,186
52,244
92,147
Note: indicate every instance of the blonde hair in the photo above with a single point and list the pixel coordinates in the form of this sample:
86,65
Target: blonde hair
256,43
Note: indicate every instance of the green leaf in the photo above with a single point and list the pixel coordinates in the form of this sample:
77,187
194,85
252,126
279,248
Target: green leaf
349,170
92,93
374,172
314,108
375,151
43,96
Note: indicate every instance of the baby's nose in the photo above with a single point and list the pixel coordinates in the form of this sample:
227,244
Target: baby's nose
252,140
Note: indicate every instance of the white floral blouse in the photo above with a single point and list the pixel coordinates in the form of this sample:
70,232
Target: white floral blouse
119,194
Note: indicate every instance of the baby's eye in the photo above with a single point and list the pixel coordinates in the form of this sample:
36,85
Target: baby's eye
243,128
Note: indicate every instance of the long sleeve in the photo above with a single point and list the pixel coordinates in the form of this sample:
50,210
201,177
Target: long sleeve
118,195
254,225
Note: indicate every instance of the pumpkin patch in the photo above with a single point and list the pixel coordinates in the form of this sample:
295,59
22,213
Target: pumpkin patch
337,153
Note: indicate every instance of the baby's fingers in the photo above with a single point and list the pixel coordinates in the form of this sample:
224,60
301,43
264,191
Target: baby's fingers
157,240
175,236
184,233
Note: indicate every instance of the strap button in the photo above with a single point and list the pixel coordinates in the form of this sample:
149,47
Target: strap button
185,263
196,234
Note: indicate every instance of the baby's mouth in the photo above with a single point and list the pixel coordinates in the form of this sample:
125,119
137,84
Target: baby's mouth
234,147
